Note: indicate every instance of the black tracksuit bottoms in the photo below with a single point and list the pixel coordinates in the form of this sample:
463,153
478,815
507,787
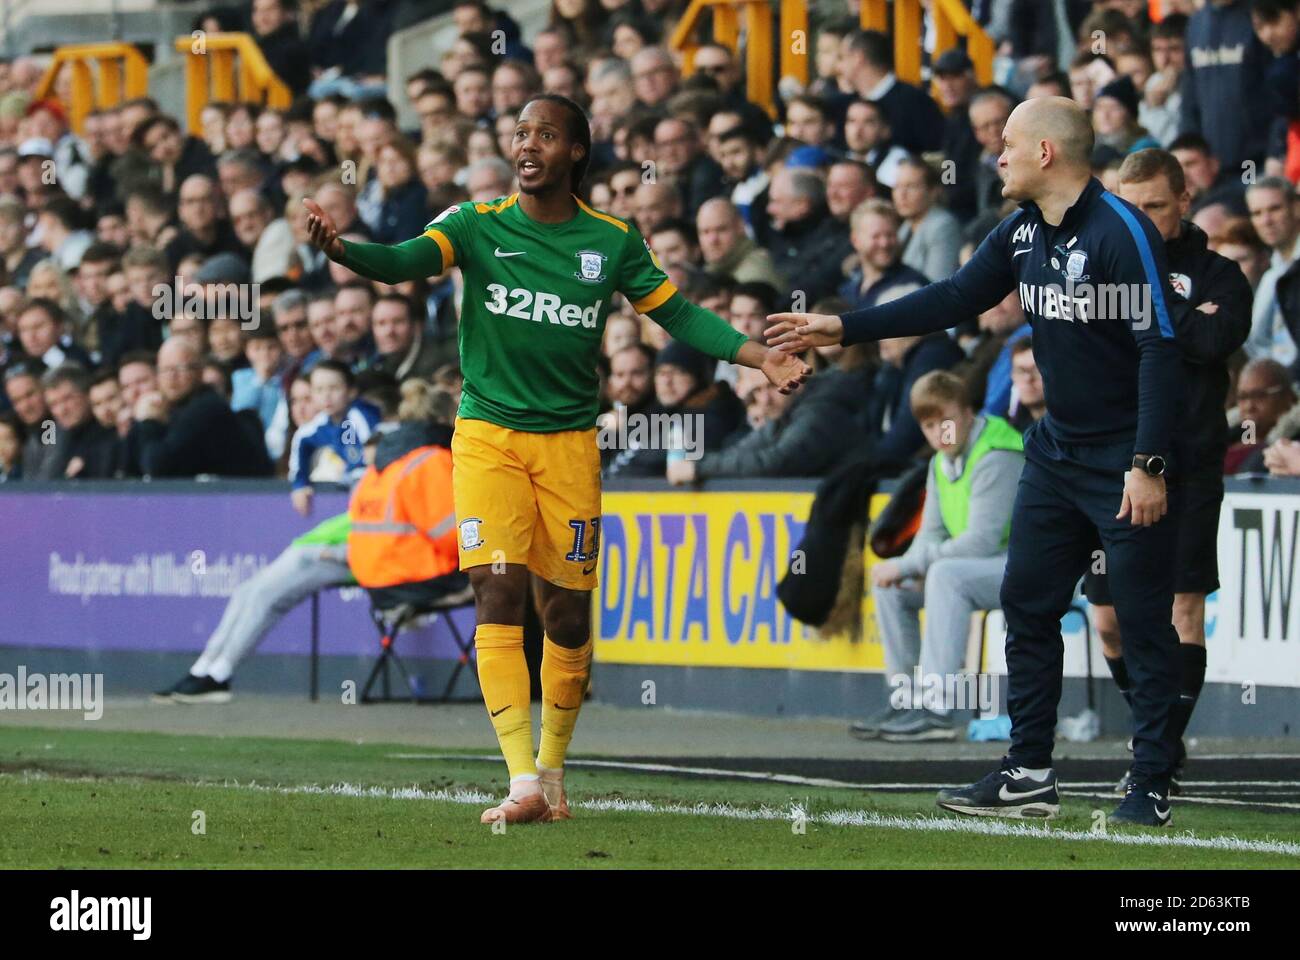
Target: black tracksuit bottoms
1065,510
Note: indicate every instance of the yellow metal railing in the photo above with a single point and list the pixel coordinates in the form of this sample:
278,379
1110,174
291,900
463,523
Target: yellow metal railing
761,30
951,20
102,74
228,67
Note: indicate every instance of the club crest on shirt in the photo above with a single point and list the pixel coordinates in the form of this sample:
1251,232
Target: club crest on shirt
1182,285
1071,263
470,535
591,266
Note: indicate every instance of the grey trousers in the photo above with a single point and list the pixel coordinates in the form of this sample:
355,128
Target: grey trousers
954,588
260,602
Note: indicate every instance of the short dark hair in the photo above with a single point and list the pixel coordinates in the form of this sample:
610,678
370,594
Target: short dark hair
102,253
1150,163
72,373
1021,344
764,293
339,367
678,225
1191,141
52,309
1173,26
1270,10
396,298
874,46
147,357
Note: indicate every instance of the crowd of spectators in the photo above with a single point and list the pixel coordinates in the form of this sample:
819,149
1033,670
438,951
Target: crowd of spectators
162,313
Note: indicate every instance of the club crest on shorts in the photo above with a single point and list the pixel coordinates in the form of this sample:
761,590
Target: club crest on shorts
471,535
591,266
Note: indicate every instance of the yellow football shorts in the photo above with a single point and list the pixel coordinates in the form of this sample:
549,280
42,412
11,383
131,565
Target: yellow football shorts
529,498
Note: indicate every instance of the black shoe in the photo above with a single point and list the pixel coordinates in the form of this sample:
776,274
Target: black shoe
1175,780
194,689
916,726
1144,806
1009,792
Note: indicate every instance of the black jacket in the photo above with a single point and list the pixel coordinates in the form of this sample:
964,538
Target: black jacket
1206,341
810,253
361,47
816,432
892,390
722,411
120,333
98,448
914,118
202,435
288,55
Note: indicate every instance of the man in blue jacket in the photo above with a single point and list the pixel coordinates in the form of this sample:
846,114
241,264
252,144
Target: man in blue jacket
1093,280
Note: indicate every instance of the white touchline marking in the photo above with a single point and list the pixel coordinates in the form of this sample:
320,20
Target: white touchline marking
835,818
1070,787
1211,801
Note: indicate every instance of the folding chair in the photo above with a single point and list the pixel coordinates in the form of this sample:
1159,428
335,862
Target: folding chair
393,609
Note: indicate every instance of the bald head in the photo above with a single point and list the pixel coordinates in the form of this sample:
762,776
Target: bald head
1061,122
177,350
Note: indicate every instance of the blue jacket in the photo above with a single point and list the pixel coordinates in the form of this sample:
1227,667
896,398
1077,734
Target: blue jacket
346,439
1223,87
1111,369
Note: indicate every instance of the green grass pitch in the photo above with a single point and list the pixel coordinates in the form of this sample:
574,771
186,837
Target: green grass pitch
72,798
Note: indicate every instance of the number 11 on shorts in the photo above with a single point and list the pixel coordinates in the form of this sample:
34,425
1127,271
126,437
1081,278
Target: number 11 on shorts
580,540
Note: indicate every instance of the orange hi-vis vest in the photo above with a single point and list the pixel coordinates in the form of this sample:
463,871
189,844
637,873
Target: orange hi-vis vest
403,521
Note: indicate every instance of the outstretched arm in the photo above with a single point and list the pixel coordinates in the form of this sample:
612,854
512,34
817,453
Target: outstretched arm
412,259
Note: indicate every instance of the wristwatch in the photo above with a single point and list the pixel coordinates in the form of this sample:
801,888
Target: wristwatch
1152,464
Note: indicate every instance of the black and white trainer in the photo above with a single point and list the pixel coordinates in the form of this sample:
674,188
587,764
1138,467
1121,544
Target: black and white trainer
1145,806
1009,792
194,689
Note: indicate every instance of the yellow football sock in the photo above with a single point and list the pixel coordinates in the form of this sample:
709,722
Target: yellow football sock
565,672
503,677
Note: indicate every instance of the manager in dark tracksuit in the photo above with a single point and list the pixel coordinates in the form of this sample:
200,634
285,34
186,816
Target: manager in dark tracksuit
1208,334
1091,273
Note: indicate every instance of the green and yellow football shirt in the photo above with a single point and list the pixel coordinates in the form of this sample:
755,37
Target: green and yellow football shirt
536,296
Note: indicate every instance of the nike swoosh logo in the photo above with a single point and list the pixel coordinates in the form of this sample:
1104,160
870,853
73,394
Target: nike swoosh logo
517,253
1005,794
502,710
586,571
1013,256
558,707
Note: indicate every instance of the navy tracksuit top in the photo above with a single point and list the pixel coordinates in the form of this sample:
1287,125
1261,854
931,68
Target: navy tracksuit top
1096,291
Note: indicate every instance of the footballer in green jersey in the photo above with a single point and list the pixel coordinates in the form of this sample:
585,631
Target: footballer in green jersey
541,269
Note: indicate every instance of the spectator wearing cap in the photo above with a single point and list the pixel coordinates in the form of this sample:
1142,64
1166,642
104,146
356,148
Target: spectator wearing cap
1115,118
186,429
879,275
866,66
682,161
19,258
988,112
203,228
684,386
954,76
84,448
33,155
807,245
275,28
728,251
931,236
869,139
1224,82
